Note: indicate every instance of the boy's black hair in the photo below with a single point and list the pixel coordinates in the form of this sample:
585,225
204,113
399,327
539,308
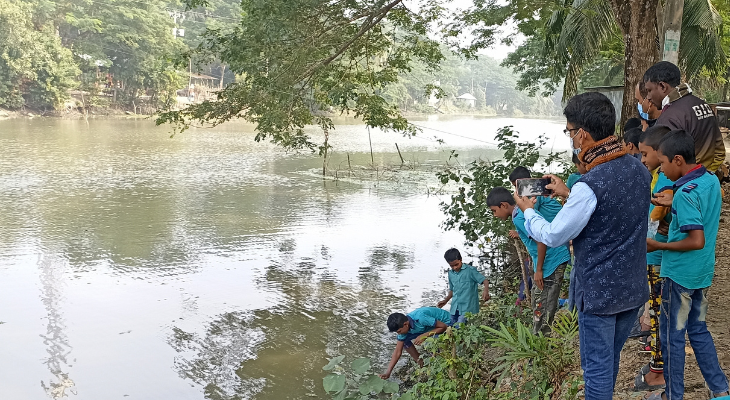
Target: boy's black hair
396,321
631,124
663,71
519,173
653,136
452,255
632,136
499,195
593,112
678,143
575,159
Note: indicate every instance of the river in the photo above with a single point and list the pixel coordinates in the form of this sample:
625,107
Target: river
206,265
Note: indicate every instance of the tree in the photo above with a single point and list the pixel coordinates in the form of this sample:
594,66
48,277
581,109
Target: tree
567,37
35,69
299,61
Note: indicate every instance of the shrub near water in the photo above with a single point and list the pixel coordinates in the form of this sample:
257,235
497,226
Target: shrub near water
493,357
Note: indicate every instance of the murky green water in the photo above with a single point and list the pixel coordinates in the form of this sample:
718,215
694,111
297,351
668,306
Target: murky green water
137,266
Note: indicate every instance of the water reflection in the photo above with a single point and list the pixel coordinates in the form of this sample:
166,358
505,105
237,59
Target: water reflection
268,352
55,339
229,257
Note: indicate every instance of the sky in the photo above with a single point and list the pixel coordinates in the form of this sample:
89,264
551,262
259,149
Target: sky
499,51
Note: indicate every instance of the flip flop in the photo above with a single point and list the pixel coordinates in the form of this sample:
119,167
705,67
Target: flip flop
640,385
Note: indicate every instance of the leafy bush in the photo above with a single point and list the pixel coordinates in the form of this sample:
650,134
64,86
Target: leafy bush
535,366
468,212
494,356
358,382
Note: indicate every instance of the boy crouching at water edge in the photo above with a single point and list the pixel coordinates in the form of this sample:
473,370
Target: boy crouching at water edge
549,263
413,329
464,281
688,266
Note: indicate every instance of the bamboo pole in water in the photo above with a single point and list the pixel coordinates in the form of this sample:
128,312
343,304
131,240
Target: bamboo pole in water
399,154
372,160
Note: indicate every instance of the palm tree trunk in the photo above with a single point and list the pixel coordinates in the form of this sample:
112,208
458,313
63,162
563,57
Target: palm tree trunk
638,22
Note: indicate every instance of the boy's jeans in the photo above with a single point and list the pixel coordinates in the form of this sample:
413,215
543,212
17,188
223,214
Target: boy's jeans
545,301
601,339
684,311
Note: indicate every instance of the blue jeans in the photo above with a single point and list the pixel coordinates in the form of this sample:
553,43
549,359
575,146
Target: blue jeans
457,319
601,339
683,311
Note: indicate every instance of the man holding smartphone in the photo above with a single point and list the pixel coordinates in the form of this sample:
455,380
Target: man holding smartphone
605,216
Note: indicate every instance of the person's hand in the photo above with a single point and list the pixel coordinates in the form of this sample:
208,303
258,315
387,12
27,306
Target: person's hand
384,376
419,340
537,279
651,245
441,303
663,228
663,199
557,186
486,296
524,202
513,234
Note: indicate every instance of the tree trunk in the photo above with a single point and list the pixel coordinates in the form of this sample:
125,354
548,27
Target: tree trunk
638,22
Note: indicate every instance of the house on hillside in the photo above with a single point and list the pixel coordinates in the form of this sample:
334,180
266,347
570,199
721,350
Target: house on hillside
467,99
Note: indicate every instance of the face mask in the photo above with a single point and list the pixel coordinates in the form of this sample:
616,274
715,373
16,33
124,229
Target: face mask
575,151
643,115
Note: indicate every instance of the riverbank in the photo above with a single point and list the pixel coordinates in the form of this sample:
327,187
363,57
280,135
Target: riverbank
114,112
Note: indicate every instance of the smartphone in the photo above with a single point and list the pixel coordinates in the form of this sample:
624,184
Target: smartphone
532,187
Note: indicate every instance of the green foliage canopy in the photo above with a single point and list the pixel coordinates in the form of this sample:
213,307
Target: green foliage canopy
298,61
35,68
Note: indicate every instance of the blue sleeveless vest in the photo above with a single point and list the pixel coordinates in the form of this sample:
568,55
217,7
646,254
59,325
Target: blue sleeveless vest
610,252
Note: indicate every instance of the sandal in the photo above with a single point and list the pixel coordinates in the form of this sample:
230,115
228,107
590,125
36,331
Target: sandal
645,369
654,396
640,385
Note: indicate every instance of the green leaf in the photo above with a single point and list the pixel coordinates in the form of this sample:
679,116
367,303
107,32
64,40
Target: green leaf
390,387
333,363
361,365
333,383
374,384
406,396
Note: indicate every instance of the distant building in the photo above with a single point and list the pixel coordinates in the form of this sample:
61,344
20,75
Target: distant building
467,99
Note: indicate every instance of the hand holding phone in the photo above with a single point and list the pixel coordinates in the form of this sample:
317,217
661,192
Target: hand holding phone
532,187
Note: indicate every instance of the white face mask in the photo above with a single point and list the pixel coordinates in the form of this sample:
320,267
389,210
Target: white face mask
576,151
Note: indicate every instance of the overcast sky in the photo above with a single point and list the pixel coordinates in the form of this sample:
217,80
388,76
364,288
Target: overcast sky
498,51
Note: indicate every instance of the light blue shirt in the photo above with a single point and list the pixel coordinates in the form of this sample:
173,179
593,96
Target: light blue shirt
662,183
464,286
569,222
554,257
424,319
696,206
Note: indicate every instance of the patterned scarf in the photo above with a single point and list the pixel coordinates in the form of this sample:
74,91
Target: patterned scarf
602,151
